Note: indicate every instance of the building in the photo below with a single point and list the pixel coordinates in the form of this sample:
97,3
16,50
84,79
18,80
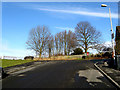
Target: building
117,39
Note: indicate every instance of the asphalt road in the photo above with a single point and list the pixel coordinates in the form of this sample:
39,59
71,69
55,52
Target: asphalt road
59,74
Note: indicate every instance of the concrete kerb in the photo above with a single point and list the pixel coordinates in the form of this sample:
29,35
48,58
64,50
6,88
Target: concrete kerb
22,68
108,77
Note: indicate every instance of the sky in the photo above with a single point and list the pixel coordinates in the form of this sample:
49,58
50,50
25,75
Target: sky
18,18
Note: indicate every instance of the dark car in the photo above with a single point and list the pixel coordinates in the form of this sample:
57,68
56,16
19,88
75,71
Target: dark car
29,58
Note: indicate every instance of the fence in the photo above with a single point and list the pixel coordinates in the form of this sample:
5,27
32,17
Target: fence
11,57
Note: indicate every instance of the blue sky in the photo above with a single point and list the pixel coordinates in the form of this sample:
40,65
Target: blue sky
19,18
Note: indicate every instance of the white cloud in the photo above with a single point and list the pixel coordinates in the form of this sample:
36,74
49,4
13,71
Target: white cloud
87,13
65,28
71,10
5,50
16,52
93,51
108,44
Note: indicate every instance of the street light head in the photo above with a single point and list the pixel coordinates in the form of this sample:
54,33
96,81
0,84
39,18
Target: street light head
103,5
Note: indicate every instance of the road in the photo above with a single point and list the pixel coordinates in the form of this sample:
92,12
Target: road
60,74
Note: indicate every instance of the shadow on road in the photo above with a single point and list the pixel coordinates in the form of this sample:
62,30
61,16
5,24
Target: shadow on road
81,82
5,75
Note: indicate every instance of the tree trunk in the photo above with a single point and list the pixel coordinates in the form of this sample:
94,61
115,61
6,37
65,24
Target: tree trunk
40,52
53,48
86,51
69,51
53,51
49,52
40,55
65,50
65,47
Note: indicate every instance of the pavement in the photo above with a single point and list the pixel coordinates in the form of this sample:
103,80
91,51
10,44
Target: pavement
112,74
59,74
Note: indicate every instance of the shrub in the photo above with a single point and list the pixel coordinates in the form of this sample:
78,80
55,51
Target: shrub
83,57
107,54
77,51
98,55
92,55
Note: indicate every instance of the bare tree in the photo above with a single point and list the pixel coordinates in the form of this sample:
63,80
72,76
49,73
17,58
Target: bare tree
38,39
56,42
99,47
53,45
71,41
50,45
65,42
60,42
87,35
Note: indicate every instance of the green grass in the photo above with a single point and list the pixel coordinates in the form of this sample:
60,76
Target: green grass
80,59
7,63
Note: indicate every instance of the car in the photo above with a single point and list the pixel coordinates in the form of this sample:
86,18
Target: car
29,57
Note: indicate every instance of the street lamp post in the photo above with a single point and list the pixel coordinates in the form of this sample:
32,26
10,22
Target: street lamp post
112,34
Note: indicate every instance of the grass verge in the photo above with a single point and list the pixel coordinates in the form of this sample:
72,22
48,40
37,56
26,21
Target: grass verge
8,63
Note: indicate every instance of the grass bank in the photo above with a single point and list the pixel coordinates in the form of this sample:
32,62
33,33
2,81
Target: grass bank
71,57
8,63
